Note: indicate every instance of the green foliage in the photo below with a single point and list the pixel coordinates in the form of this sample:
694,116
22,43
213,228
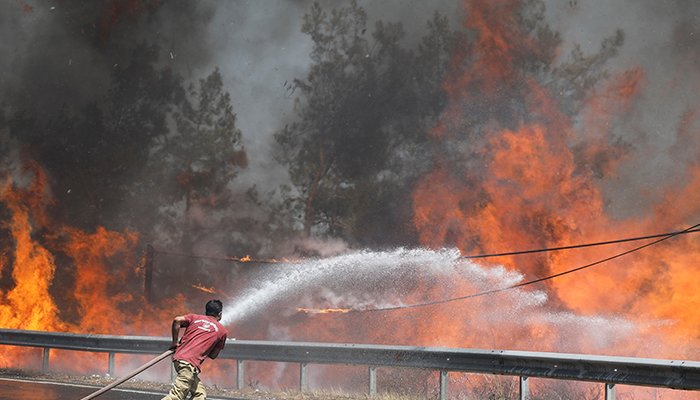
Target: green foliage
203,153
193,164
575,78
356,143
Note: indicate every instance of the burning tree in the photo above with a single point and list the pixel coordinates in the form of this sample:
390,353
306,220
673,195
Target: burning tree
483,139
76,196
522,151
517,158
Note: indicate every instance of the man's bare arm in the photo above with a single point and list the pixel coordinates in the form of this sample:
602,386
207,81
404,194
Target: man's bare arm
177,323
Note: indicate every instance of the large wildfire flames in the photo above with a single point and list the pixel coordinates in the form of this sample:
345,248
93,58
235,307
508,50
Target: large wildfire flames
534,179
94,289
536,184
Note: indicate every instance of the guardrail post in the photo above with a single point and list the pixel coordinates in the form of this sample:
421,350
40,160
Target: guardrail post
239,375
372,381
110,366
45,359
303,377
443,385
524,388
609,391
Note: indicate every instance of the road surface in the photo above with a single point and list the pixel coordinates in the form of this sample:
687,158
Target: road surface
31,390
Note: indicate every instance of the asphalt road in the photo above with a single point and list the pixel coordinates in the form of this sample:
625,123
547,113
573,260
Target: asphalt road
29,390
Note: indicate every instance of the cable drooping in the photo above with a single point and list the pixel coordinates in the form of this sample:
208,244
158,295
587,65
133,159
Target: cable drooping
661,236
578,246
693,228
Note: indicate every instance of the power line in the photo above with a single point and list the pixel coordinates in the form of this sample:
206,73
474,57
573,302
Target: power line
578,246
662,237
693,228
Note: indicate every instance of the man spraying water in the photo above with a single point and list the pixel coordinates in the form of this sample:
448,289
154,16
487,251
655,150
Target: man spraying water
204,337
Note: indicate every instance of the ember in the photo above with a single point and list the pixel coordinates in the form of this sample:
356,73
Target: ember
324,310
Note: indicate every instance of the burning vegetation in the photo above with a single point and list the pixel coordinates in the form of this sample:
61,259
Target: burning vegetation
480,139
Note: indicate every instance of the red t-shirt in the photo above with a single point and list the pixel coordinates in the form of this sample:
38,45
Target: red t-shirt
203,333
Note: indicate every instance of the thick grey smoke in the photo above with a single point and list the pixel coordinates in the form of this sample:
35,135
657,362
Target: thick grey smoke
261,50
61,54
57,54
661,40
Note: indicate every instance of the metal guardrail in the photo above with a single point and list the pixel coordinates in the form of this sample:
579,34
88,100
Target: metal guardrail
609,370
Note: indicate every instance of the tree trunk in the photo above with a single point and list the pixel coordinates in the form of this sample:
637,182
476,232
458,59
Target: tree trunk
323,167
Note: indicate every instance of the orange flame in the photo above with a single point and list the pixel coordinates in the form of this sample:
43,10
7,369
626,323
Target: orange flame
205,289
28,305
96,294
324,310
534,182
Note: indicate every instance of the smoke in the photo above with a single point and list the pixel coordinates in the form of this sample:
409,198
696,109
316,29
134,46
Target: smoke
660,39
63,56
261,50
62,53
260,64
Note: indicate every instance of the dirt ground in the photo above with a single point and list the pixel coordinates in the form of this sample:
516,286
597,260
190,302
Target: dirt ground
99,381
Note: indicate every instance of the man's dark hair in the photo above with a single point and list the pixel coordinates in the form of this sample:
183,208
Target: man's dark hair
214,307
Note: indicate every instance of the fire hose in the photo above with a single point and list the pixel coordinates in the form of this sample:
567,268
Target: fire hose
130,375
